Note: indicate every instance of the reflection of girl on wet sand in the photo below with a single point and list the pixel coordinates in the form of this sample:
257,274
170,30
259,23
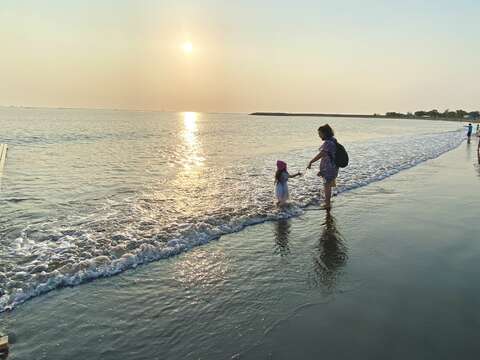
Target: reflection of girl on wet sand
282,232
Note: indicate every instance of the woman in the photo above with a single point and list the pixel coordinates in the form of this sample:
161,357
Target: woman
328,169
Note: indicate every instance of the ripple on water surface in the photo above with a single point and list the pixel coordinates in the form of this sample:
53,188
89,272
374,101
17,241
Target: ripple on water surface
75,208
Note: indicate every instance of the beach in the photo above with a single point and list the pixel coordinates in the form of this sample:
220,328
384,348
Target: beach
391,274
213,180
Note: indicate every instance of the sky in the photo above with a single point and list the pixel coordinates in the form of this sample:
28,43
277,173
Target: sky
350,56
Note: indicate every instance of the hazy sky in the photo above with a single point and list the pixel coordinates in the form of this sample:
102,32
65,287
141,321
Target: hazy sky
305,55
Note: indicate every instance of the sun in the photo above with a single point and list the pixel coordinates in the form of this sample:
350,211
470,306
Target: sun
187,47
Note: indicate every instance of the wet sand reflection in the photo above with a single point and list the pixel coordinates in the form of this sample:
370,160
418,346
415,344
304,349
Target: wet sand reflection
331,256
282,233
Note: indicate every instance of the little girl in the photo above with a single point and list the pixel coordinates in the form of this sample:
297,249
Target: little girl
281,186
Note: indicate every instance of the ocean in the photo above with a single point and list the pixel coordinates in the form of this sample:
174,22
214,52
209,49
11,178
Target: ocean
91,193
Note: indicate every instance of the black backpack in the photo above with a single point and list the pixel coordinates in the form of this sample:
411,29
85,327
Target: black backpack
341,156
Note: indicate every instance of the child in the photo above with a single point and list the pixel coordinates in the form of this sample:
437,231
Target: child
281,186
328,169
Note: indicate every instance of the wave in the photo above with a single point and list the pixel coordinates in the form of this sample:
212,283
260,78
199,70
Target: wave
125,234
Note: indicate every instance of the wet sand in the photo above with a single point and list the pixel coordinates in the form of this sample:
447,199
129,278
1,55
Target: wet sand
418,296
391,275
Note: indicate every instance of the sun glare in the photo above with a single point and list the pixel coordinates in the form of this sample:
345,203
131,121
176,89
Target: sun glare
187,47
190,122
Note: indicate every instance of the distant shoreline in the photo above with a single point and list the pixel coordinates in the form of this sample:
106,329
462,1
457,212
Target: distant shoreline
364,116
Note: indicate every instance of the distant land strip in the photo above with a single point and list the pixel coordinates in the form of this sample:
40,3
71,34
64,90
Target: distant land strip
375,116
316,114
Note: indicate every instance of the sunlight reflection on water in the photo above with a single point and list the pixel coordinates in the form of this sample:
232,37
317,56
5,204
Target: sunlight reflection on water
193,147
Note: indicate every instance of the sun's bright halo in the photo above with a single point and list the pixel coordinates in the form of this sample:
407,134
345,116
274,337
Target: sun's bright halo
187,47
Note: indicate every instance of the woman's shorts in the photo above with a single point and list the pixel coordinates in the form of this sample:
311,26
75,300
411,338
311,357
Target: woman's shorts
331,183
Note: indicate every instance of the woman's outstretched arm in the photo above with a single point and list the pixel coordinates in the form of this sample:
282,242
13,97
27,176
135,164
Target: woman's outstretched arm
315,159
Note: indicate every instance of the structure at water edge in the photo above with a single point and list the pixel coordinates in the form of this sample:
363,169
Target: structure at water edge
3,347
3,156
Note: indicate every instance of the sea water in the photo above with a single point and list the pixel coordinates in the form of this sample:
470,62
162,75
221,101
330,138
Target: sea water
91,193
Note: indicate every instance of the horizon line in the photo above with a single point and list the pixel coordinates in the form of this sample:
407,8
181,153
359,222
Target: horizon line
116,109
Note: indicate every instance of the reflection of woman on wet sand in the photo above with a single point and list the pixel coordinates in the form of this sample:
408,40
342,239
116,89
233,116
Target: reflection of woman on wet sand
332,254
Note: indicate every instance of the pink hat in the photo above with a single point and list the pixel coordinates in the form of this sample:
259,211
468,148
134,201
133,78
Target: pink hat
281,165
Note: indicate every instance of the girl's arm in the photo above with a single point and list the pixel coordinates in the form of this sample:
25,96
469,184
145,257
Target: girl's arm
297,174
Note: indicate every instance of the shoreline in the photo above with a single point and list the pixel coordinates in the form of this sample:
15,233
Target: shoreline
146,257
360,116
272,287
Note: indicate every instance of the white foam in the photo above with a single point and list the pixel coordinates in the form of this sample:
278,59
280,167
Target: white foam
132,239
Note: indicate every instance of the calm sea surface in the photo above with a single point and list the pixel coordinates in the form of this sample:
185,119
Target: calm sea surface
91,193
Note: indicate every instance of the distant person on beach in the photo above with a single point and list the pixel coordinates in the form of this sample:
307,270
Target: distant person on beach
328,168
478,130
469,132
281,185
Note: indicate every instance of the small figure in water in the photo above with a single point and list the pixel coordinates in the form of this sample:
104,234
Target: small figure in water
328,168
281,179
469,132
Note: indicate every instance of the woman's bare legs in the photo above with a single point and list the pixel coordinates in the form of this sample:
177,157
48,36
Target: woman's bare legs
328,195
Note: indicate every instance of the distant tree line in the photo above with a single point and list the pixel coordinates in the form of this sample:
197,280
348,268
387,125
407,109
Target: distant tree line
435,114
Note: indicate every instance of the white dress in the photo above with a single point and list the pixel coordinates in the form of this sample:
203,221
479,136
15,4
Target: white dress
281,188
